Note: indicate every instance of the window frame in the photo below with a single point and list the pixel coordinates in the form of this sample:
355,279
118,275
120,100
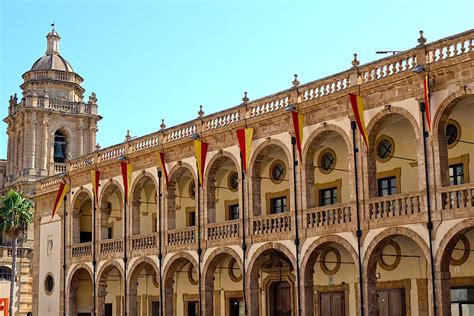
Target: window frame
464,160
394,173
320,158
273,195
327,185
272,166
377,143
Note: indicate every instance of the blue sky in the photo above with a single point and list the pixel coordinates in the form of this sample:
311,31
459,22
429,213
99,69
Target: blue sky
148,60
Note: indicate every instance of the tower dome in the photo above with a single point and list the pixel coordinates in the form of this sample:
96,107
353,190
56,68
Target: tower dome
52,59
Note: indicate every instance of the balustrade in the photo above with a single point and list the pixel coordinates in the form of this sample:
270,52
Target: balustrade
144,242
328,216
222,231
395,206
458,197
111,246
183,236
81,250
270,224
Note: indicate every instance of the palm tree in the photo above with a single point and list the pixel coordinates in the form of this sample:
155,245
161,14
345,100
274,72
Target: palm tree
15,217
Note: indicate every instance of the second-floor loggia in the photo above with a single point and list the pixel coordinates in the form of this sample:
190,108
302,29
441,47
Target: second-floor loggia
454,140
395,163
111,219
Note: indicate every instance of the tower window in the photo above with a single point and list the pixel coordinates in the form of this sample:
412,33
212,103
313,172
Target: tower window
59,147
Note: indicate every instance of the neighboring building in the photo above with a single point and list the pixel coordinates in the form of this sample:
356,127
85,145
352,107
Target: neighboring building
161,228
48,126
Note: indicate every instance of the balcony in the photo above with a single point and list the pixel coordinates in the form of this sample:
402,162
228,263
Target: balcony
457,201
111,247
274,225
181,238
327,219
82,250
223,233
142,243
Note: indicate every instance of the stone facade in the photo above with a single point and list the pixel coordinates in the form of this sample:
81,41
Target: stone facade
286,238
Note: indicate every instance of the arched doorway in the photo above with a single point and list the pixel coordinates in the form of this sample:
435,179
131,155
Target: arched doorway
110,300
330,277
223,272
82,225
271,282
397,269
144,206
80,299
181,288
111,212
144,288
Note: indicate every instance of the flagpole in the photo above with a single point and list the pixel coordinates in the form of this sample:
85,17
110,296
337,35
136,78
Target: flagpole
297,238
94,262
244,244
429,225
199,250
359,230
160,254
64,253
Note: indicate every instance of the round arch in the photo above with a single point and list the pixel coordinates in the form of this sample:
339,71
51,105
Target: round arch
72,285
76,268
448,242
260,152
217,159
78,200
136,192
320,132
441,116
138,265
178,170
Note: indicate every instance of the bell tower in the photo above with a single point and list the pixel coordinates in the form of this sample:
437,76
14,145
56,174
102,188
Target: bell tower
50,123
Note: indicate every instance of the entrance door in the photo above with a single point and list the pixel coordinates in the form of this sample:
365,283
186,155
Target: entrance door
462,301
108,309
391,302
280,299
236,307
332,304
193,308
155,308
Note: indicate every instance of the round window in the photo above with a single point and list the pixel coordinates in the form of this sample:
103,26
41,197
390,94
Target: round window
233,181
327,160
453,133
385,148
277,171
192,189
49,284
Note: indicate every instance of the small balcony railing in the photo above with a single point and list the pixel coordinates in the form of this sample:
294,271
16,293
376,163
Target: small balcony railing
144,242
329,216
81,250
111,246
182,236
223,231
399,205
457,197
271,224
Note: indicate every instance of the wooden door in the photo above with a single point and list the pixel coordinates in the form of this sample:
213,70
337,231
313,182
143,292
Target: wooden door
155,308
108,309
332,304
236,307
280,302
391,302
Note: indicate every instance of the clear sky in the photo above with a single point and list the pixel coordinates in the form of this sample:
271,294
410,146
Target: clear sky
148,60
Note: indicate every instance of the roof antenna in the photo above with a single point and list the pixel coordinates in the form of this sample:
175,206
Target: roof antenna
52,25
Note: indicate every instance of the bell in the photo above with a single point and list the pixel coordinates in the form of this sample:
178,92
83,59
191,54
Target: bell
59,154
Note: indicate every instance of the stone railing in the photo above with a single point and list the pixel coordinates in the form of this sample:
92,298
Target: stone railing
458,197
59,167
182,236
81,250
271,224
111,246
398,205
336,85
144,242
222,231
329,216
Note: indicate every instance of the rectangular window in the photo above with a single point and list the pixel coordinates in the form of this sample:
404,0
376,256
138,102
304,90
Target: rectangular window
234,211
154,226
328,196
191,221
456,174
85,237
278,205
387,186
109,232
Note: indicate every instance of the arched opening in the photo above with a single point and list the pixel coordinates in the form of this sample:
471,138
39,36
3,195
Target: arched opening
270,178
5,274
110,300
330,278
181,199
144,207
393,160
223,283
144,290
222,191
181,286
80,293
82,225
271,284
111,214
457,271
60,146
398,273
327,170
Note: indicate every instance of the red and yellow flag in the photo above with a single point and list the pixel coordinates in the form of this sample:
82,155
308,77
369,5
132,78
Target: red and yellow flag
298,124
62,191
426,91
244,137
126,168
357,103
95,177
162,164
200,149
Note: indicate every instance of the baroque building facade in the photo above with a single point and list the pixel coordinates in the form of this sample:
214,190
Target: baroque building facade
344,228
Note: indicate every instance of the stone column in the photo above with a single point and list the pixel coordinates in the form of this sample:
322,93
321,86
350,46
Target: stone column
80,139
32,142
44,152
10,151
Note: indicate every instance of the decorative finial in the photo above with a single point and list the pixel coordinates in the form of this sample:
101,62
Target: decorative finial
97,146
201,112
422,39
163,125
355,62
245,99
128,137
295,82
52,25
